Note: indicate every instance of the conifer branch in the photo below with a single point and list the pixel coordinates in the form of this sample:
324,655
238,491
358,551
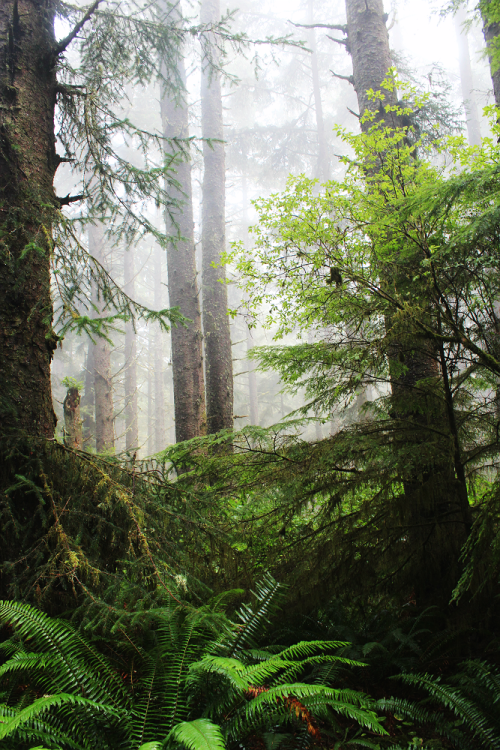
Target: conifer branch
64,43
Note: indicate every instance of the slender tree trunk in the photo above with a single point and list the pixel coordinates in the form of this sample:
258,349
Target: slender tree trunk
103,384
187,357
490,32
28,163
72,420
87,404
252,383
323,165
468,93
131,410
151,425
218,354
159,401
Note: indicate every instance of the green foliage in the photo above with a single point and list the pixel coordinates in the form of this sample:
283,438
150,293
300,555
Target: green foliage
471,695
81,531
158,690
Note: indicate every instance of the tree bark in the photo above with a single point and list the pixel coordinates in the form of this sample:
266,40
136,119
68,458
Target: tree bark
28,163
468,94
434,513
72,420
491,31
103,384
187,358
368,44
151,427
131,410
217,335
87,404
323,164
159,399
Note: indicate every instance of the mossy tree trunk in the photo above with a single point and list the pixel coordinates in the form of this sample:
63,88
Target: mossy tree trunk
217,336
187,357
491,31
72,419
28,161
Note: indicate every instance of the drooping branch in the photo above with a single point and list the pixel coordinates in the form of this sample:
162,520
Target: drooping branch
64,43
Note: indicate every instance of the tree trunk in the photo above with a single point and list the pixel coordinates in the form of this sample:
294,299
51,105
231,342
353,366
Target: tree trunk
490,32
187,358
28,163
131,423
151,425
217,336
323,164
468,94
253,395
103,387
87,404
159,399
434,514
72,420
368,44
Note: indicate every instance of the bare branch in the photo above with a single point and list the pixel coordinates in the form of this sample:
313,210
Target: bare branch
339,41
64,43
69,199
66,90
349,79
353,112
334,26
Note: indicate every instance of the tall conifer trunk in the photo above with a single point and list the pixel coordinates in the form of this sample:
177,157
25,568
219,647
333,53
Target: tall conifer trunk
131,410
468,94
28,163
187,358
217,336
103,384
323,163
491,31
435,512
159,398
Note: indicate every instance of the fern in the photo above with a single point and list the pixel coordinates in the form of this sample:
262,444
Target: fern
200,734
472,695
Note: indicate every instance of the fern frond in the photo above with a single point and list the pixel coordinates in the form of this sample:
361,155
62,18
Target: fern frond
42,705
200,734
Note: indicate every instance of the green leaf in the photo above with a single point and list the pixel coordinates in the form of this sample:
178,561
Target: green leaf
200,734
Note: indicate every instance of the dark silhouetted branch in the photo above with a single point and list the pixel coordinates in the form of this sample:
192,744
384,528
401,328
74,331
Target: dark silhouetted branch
64,43
69,199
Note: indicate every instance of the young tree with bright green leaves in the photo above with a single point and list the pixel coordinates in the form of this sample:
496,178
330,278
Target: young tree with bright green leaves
396,257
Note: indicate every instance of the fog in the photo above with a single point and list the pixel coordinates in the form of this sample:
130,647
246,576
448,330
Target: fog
276,123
